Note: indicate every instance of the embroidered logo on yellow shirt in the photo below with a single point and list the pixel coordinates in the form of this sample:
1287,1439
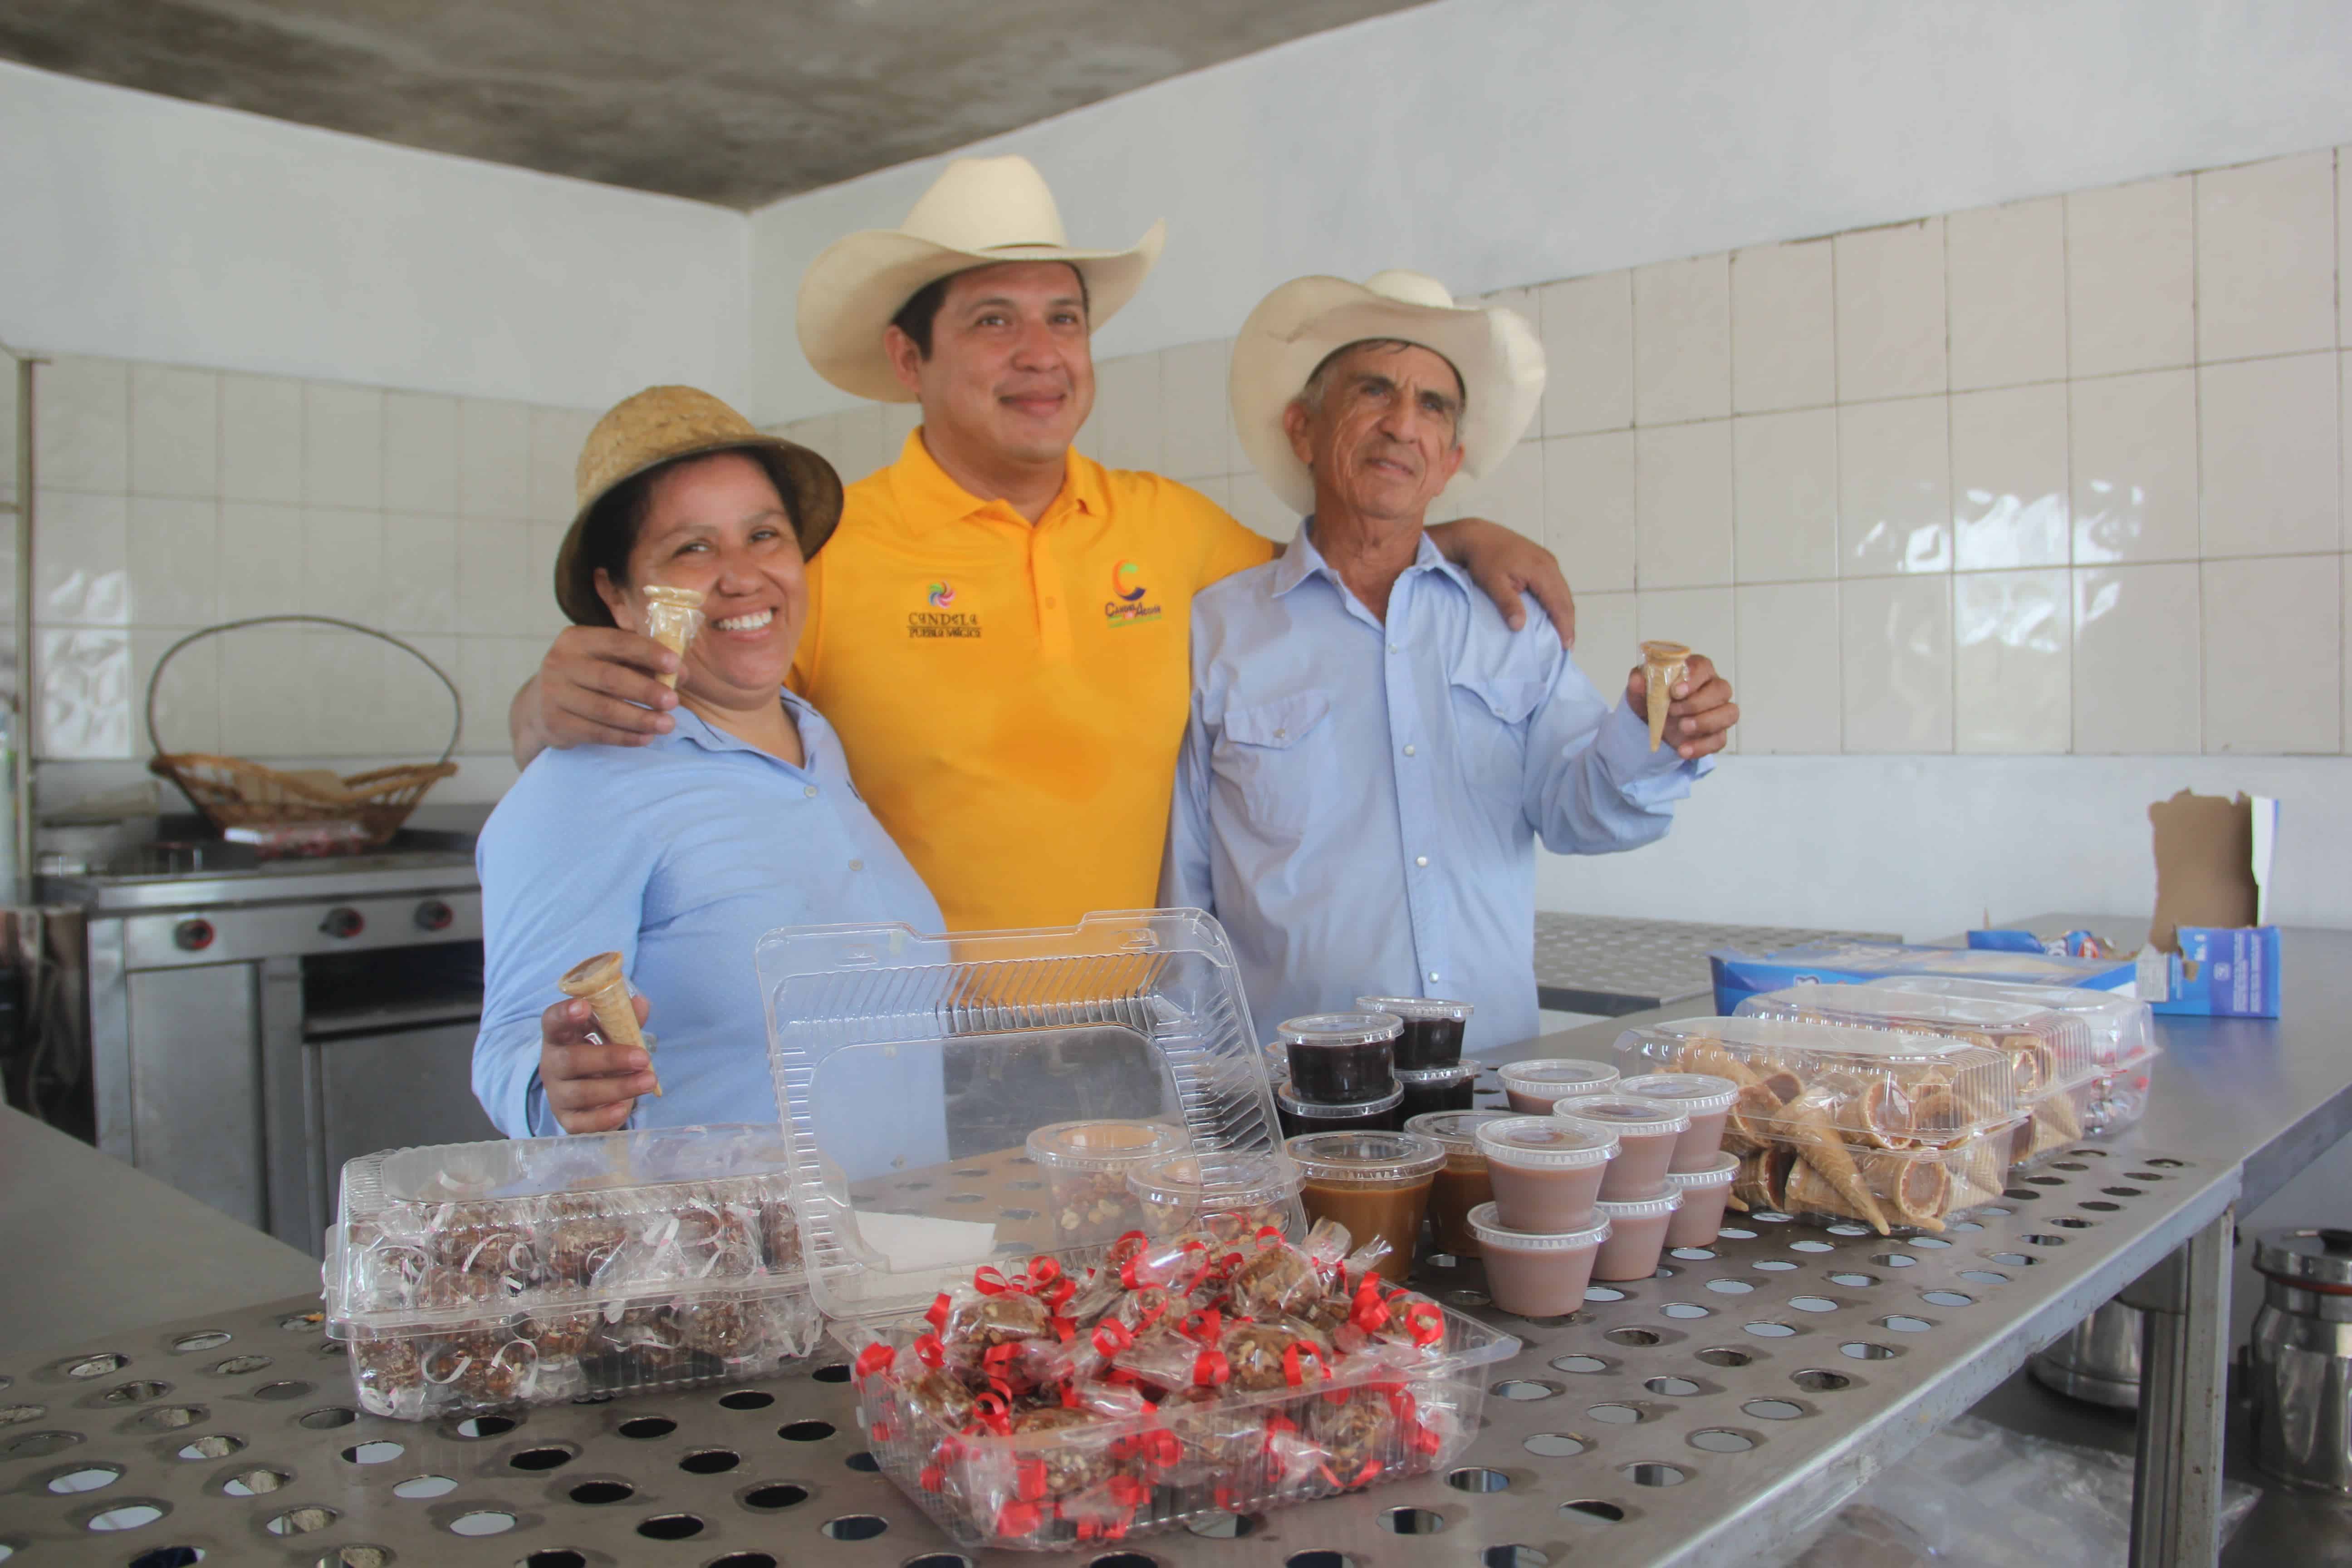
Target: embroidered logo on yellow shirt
1126,604
939,620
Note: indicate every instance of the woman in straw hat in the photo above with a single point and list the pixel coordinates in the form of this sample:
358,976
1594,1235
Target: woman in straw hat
681,854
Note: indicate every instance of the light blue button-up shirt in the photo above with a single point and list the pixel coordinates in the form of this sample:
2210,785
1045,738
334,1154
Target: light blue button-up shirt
1359,803
680,855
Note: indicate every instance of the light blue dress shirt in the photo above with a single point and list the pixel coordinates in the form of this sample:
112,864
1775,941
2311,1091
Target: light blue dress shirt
1359,804
680,855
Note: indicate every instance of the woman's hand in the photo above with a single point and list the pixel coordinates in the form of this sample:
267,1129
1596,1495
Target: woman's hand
591,1086
1505,564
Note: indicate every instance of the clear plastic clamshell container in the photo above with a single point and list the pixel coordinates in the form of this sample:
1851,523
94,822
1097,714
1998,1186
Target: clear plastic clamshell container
2122,1029
2046,1049
466,1277
1863,1111
913,1070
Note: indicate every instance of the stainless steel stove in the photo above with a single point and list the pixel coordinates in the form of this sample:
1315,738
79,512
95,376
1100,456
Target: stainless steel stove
251,1025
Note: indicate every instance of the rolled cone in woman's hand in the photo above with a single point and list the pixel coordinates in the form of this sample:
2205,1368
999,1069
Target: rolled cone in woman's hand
1662,664
672,618
598,980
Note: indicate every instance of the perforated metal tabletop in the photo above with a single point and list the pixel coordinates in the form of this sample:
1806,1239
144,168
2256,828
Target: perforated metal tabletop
1607,965
1696,1417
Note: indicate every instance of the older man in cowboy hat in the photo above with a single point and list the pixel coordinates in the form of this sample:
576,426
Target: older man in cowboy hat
998,631
1372,752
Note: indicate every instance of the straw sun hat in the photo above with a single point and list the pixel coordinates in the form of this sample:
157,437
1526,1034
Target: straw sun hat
664,423
1497,354
978,212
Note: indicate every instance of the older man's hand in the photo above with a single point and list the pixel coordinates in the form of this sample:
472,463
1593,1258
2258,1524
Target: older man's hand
592,1085
1703,713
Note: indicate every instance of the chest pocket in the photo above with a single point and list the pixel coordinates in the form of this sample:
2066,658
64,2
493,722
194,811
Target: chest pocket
1490,716
1264,765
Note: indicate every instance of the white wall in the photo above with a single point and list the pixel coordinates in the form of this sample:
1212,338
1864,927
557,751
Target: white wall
140,228
1497,143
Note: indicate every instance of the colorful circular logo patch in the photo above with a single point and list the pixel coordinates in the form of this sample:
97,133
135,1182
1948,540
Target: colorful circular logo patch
941,595
1120,575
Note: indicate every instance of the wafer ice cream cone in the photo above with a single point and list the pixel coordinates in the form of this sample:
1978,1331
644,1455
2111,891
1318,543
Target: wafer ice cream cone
1806,1127
1918,1191
1662,664
1762,1180
1874,1113
672,618
600,981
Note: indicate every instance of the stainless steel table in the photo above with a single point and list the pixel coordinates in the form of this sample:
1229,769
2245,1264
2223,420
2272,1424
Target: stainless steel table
1609,965
1703,1416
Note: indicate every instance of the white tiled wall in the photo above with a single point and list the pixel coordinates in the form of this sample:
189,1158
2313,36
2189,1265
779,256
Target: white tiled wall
172,498
2064,475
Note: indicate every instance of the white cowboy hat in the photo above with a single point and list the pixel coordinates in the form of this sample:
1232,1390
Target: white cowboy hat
1496,353
978,212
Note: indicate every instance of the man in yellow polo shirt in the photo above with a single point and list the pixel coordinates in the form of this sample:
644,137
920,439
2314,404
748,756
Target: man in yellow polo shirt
999,628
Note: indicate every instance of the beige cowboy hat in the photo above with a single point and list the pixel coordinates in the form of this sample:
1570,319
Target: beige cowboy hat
978,212
1299,326
663,424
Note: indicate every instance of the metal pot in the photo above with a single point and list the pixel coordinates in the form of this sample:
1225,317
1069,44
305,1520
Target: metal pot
2303,1358
2098,1360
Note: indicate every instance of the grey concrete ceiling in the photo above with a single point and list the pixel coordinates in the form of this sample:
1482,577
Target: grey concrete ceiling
734,101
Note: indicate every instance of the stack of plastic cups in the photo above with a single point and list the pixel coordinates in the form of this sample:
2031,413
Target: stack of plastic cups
1699,1170
1429,1065
1543,1233
1342,1073
1635,1198
1533,1087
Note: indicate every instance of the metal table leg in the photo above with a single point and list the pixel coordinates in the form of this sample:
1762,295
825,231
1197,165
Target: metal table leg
2184,1373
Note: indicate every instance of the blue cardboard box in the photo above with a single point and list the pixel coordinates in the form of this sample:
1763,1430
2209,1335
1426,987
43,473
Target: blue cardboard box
2211,950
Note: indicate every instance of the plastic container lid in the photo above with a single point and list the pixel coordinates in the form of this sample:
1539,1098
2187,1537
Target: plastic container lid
1316,1109
1365,1157
1666,1202
2047,1049
1433,1077
1485,1221
1558,1076
1929,1087
1457,1130
1717,1172
1693,1093
1340,1029
1418,1010
903,1189
1620,1114
1103,1145
1544,1143
1236,1181
2121,1026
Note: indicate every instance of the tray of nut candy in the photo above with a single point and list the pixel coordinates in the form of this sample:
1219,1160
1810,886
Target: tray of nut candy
1876,1125
1052,1409
470,1276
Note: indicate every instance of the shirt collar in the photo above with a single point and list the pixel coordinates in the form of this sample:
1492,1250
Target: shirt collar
696,731
928,499
1300,560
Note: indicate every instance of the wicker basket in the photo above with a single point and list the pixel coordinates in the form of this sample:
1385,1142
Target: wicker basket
233,793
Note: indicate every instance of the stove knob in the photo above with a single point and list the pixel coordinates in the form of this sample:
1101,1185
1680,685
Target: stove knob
192,936
345,923
433,915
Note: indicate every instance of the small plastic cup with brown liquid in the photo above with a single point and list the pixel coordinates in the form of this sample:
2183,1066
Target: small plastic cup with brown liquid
1533,1087
1375,1183
1341,1058
1298,1116
1706,1099
1705,1192
1086,1166
1436,1089
1432,1028
1461,1183
1535,1275
1545,1172
1647,1132
1637,1235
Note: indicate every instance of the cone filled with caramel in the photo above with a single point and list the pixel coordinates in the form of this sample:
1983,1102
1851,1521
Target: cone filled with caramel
1662,664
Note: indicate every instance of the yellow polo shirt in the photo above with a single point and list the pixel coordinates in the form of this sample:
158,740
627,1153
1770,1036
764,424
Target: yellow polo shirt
1012,696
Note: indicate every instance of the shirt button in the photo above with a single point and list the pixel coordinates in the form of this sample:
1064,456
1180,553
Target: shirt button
1432,977
1420,859
1053,604
1393,648
858,865
1408,750
810,792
